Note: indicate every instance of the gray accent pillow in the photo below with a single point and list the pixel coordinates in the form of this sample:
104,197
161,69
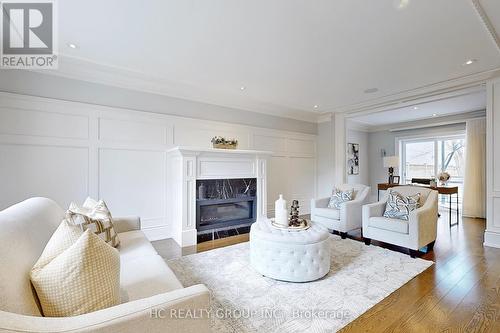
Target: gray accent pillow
339,196
399,206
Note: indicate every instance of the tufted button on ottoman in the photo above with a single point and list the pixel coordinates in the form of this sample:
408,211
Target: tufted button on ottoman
295,256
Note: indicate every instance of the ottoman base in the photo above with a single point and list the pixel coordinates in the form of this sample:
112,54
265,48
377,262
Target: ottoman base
288,261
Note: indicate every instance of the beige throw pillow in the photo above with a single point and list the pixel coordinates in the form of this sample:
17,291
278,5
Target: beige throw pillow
81,278
65,235
94,215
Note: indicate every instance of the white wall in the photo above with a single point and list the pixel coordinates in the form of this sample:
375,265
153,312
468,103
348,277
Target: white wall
325,160
68,151
361,138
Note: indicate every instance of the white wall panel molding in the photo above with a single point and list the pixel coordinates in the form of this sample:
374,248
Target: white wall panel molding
132,131
18,121
340,148
120,155
492,233
30,170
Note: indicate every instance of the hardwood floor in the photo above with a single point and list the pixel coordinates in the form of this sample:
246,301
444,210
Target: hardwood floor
459,293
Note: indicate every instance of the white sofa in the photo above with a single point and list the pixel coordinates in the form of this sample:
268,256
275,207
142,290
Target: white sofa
345,219
149,288
420,230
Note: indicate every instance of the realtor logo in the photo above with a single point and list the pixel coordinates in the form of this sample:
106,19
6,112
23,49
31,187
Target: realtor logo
28,35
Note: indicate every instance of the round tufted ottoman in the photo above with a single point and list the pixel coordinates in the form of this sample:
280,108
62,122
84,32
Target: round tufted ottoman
296,256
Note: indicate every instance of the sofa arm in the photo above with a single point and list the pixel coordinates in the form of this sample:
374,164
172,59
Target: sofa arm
160,313
374,209
126,223
351,214
320,203
423,221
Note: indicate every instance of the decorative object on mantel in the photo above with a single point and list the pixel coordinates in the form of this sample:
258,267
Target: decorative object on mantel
220,142
443,177
280,212
353,158
391,162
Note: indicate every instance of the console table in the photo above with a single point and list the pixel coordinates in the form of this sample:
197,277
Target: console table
446,190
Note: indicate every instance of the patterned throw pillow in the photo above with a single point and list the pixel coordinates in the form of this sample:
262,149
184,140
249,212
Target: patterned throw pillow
82,278
339,196
399,206
94,215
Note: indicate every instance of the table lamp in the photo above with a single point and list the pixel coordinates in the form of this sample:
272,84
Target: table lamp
391,162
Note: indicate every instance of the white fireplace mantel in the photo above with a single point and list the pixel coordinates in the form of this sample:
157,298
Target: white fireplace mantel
188,164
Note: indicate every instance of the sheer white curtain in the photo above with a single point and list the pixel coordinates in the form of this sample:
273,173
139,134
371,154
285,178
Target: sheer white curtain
474,201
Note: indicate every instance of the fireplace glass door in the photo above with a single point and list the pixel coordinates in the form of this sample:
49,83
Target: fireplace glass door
223,212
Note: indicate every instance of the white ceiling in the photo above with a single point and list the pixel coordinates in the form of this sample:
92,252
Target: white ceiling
289,55
438,108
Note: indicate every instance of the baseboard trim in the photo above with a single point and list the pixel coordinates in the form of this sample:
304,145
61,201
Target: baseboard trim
492,239
186,238
189,237
157,233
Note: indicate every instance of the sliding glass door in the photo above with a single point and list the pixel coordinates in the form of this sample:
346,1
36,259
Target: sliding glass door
426,158
452,159
419,159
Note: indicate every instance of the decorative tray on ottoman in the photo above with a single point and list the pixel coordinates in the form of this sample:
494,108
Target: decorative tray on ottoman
304,225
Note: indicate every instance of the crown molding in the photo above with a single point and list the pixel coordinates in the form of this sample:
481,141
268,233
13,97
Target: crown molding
324,117
419,100
358,126
486,22
430,122
88,71
84,70
444,89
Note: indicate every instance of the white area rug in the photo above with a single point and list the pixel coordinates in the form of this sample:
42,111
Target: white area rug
245,301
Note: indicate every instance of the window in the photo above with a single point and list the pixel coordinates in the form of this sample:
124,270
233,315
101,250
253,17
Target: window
420,160
426,158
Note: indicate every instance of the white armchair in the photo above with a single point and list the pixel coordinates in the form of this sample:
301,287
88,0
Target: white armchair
420,230
345,219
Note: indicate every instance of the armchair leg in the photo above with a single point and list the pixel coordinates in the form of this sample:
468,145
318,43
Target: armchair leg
413,253
367,241
343,235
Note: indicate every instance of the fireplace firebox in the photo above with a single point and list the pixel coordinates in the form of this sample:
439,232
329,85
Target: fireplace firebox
225,203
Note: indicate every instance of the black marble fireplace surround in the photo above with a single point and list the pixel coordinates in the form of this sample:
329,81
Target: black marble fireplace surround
223,205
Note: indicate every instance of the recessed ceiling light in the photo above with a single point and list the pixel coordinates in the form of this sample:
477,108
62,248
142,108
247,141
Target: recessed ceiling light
243,88
434,114
415,108
316,106
469,62
401,4
72,46
371,90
